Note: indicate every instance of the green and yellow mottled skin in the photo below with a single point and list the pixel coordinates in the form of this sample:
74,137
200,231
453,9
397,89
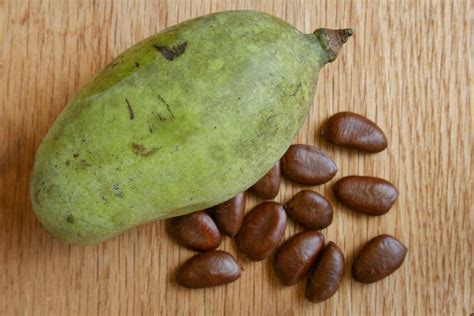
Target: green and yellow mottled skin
181,121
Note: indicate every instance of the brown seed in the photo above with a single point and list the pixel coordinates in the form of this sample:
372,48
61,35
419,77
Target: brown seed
229,215
380,257
354,131
208,269
310,209
196,231
296,256
326,278
369,195
307,165
268,186
262,230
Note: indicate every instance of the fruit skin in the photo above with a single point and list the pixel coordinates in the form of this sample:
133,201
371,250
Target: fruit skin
183,120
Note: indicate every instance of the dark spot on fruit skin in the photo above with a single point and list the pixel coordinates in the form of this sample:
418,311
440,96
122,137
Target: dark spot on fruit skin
142,151
117,191
168,108
173,52
130,110
162,118
270,117
137,65
70,219
104,199
83,163
67,162
297,88
75,155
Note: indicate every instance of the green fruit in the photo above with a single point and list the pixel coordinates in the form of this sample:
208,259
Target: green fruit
181,121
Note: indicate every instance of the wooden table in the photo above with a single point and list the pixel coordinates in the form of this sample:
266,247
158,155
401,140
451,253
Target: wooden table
409,67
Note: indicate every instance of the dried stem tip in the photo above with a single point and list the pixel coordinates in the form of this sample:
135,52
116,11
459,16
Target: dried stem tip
332,40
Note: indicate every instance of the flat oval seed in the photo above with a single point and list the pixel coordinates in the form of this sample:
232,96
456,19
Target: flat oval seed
307,165
262,230
326,278
230,215
377,259
310,209
296,256
268,186
208,269
196,231
369,195
354,131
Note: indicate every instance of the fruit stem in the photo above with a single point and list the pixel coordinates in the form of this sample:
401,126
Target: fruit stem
332,40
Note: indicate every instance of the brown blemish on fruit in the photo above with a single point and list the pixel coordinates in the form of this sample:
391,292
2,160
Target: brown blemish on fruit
70,219
130,110
83,164
296,90
142,151
168,108
173,52
332,40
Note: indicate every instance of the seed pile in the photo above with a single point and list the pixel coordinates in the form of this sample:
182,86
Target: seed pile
259,232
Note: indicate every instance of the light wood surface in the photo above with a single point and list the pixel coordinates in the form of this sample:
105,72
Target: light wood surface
408,67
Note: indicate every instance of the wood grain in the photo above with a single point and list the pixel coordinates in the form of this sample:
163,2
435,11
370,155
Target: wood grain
409,67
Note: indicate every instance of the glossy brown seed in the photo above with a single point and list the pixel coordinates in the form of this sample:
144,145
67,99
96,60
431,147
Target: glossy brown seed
369,195
310,209
196,231
307,165
296,256
268,186
354,131
208,269
378,258
262,230
326,277
230,215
